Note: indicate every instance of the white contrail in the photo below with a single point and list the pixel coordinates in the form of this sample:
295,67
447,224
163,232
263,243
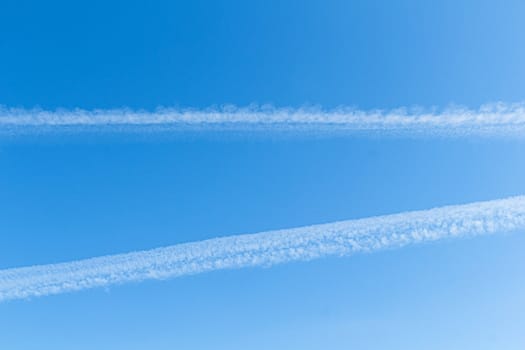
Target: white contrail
268,248
499,118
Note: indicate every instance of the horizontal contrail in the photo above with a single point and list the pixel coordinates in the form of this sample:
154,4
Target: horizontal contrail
490,119
267,248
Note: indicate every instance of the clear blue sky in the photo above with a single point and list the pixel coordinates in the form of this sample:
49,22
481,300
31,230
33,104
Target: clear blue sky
65,197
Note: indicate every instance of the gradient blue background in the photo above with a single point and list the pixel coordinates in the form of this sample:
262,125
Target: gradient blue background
64,197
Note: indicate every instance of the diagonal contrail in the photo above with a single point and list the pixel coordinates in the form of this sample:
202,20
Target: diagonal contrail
490,119
267,248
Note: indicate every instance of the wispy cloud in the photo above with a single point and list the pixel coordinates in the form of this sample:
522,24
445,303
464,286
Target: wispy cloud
499,118
267,248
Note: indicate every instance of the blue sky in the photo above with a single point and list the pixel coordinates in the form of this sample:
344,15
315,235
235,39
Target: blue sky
70,196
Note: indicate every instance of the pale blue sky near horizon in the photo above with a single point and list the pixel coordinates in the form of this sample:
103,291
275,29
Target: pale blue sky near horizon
71,196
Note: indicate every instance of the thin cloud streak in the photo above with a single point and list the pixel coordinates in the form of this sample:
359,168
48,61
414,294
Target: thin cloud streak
499,118
265,249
